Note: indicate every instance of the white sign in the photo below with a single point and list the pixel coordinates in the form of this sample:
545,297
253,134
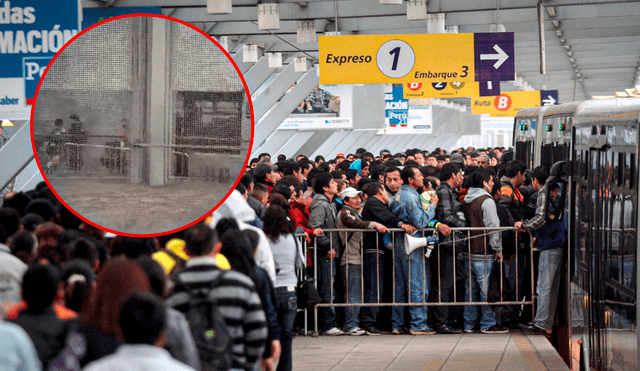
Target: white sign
339,117
419,121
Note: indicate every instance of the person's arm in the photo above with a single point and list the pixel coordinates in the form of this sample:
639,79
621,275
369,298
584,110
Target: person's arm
383,213
351,220
445,210
316,220
185,346
491,220
255,329
539,219
506,199
419,218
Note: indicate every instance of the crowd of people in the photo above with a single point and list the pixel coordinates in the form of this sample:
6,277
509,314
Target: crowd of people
75,297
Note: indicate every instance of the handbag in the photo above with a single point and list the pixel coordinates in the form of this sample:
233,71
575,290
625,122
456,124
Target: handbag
308,296
306,291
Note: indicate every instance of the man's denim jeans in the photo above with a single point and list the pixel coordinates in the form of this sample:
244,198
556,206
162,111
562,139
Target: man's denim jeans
373,268
287,310
409,274
353,286
548,286
326,275
478,273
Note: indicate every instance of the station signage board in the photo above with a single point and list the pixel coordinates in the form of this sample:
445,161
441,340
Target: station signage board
507,104
379,59
29,38
453,89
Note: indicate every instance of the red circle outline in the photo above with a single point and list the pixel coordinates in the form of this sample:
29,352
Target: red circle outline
246,89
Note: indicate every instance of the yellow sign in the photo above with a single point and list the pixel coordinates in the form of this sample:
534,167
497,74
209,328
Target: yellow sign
506,104
453,89
379,59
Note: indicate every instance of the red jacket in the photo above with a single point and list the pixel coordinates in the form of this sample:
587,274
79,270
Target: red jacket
299,215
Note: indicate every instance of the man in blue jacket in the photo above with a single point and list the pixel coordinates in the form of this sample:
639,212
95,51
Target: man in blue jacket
409,268
550,238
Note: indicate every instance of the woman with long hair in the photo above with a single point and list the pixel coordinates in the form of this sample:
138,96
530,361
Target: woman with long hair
286,254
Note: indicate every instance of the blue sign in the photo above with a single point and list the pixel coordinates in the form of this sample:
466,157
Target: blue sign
439,85
396,108
494,56
31,33
489,88
548,97
91,16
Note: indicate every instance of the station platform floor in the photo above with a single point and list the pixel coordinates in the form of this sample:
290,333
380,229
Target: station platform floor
516,350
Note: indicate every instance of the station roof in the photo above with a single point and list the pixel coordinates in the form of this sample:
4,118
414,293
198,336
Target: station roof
592,46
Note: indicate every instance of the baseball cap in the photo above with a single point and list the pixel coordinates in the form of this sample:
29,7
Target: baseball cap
457,158
340,154
350,192
263,169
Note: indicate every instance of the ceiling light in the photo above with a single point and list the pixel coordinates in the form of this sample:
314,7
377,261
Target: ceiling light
551,10
268,16
574,65
572,60
300,64
559,33
556,23
497,27
275,60
219,7
391,2
576,70
568,47
563,41
451,29
416,10
306,31
435,23
570,54
579,75
580,80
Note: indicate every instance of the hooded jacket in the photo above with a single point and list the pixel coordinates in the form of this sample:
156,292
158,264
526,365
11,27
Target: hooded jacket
349,218
489,219
323,215
236,207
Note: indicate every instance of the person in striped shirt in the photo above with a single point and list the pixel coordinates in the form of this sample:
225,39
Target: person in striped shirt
236,296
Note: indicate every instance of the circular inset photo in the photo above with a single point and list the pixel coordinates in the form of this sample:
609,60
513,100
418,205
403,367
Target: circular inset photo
142,125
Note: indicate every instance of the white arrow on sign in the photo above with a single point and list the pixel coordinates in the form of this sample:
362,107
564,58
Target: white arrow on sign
500,58
549,101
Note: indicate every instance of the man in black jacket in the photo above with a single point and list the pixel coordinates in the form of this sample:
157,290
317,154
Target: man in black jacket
376,210
447,212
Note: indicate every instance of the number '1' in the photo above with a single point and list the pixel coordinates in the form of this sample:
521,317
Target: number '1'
396,54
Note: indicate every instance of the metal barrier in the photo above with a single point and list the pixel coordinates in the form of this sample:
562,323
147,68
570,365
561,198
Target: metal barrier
463,253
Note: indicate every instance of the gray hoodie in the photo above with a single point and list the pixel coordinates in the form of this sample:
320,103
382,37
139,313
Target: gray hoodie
489,216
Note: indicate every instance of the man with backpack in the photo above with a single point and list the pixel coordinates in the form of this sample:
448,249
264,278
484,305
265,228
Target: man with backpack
222,307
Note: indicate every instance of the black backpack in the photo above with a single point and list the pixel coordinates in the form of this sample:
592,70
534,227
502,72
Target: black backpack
208,327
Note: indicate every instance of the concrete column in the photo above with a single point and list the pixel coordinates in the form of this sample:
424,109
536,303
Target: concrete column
135,130
159,122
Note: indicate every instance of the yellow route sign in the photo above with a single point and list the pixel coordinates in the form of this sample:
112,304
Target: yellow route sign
378,59
506,104
453,89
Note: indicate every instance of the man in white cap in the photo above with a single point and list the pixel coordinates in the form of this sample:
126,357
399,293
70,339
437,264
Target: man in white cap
351,263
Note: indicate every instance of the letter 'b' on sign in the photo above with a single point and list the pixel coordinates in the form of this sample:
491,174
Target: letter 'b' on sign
502,102
395,58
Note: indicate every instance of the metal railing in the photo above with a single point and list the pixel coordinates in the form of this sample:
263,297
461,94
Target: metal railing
460,249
